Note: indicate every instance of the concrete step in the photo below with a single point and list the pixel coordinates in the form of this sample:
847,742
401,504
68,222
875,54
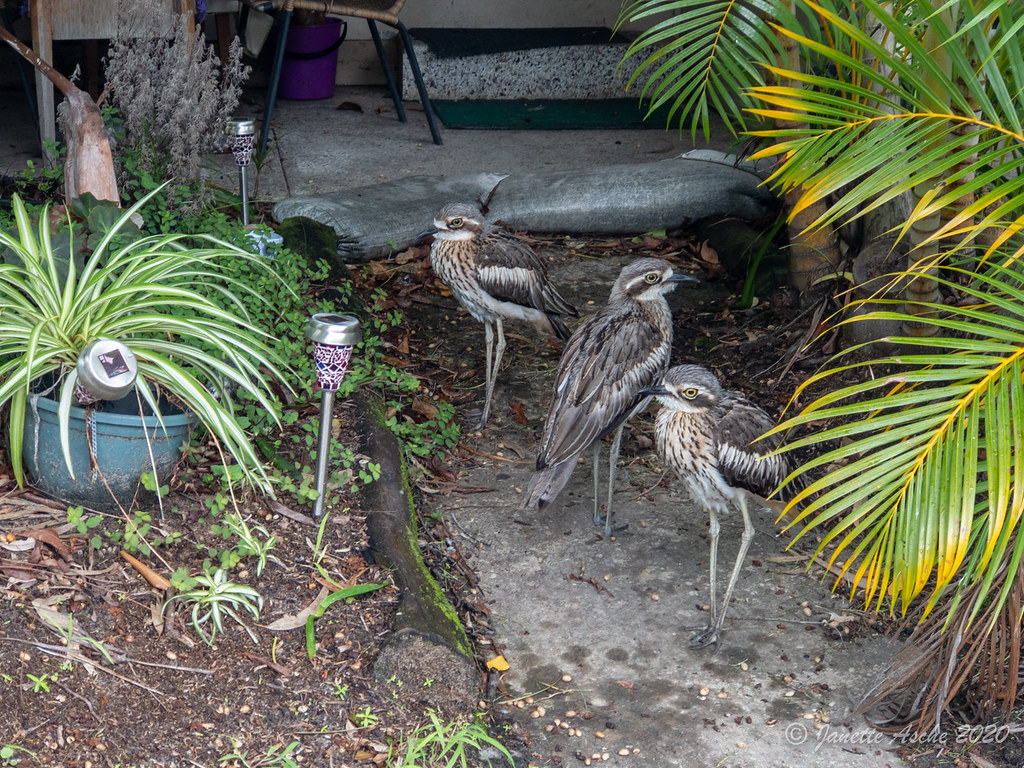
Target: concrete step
587,71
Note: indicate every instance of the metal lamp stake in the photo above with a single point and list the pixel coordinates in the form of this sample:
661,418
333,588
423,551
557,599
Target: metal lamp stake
333,337
243,141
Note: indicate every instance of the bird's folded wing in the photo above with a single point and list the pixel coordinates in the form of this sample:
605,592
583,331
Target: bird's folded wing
743,459
604,364
509,270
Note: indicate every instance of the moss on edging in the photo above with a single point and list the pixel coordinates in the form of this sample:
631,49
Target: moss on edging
429,655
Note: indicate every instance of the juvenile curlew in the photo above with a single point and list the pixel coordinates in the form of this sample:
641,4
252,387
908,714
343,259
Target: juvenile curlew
710,437
496,277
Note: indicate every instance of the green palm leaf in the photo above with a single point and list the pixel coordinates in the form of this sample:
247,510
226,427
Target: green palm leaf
699,56
926,485
956,107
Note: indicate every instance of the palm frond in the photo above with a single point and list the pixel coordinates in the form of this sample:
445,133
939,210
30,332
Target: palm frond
926,480
845,127
700,57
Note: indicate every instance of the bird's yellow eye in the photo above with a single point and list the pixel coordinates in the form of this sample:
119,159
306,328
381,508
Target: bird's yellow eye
652,277
455,223
690,392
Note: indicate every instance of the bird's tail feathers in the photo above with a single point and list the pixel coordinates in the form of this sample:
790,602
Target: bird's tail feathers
547,483
558,326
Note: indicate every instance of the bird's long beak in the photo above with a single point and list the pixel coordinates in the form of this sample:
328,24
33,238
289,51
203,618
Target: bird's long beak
680,277
425,234
653,390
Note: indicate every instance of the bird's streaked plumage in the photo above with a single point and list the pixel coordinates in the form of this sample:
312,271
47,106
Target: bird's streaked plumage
496,277
710,436
611,355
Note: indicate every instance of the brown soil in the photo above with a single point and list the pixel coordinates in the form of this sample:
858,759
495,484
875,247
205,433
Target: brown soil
159,695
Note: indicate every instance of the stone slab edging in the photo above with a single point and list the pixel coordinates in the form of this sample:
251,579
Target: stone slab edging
428,655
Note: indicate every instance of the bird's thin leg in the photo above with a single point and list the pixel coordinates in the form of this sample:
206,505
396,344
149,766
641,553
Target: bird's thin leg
597,483
613,459
491,372
748,536
492,376
714,531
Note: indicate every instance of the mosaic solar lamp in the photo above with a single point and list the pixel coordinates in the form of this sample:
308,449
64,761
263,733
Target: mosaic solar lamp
106,371
243,140
333,338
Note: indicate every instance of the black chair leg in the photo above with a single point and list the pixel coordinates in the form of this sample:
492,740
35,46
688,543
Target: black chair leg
420,86
275,78
7,18
386,66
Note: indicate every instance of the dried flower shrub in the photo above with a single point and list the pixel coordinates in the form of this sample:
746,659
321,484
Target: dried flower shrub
172,95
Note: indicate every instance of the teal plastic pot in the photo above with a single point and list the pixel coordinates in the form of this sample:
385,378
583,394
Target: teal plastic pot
125,444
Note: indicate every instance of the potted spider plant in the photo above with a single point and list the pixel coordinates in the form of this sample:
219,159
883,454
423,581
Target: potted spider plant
151,294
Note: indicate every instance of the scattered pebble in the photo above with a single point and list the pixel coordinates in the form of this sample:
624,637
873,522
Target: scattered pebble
655,596
566,678
744,666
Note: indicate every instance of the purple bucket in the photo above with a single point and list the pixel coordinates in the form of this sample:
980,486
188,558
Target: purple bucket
311,60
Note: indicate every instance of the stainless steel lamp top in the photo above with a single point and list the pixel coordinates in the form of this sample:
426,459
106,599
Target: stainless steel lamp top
334,329
107,369
240,126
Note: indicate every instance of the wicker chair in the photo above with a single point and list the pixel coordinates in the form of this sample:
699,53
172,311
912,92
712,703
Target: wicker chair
384,11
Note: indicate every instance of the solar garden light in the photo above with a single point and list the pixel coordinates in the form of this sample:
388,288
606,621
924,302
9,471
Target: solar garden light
243,140
333,338
106,371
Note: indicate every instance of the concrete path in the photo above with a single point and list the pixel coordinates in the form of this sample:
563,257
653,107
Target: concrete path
595,630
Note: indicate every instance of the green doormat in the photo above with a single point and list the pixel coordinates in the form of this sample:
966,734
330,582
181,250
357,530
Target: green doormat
548,114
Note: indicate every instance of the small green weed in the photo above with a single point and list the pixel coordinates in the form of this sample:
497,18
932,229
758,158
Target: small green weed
439,743
12,754
41,682
364,718
136,535
278,756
